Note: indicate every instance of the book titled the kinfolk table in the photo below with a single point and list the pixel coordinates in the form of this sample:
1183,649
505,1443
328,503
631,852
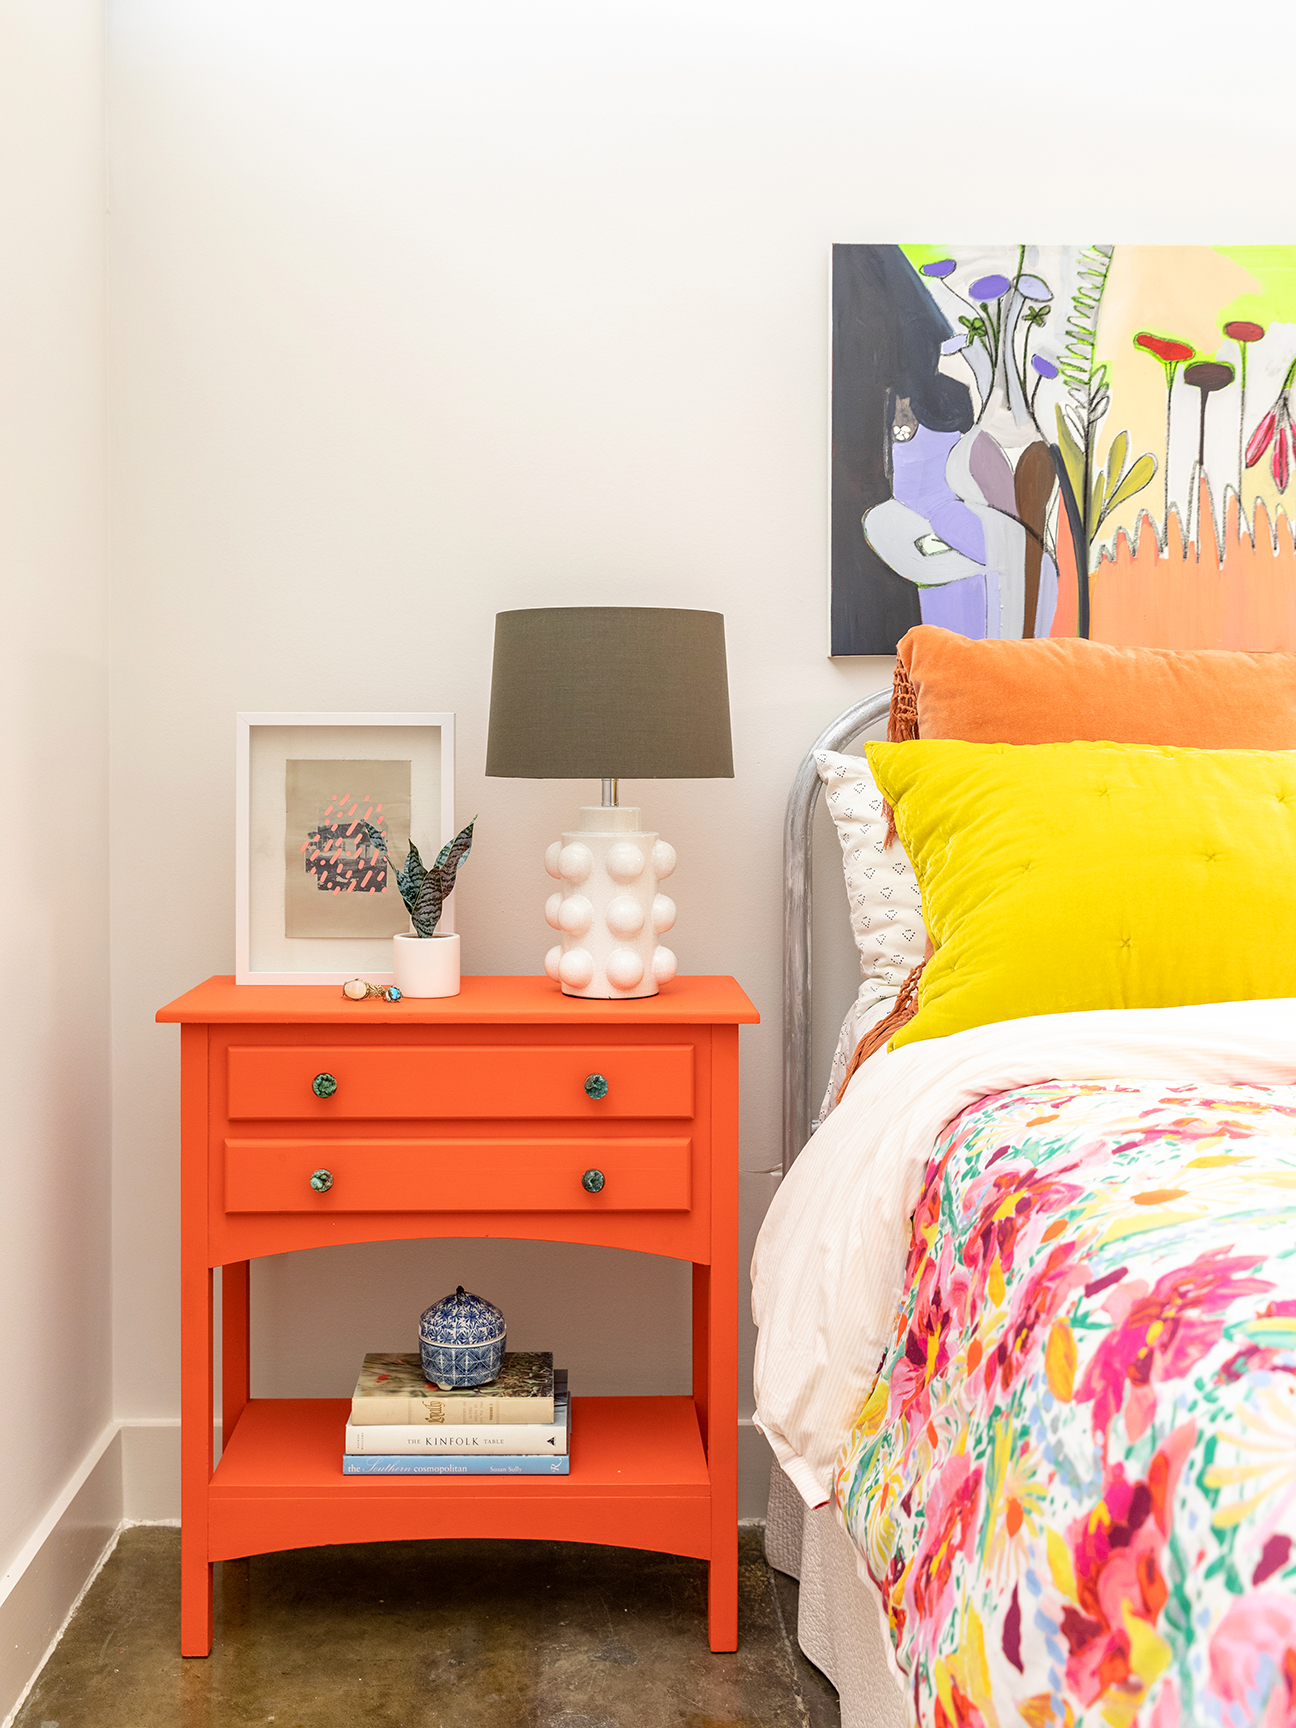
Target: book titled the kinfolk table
391,1391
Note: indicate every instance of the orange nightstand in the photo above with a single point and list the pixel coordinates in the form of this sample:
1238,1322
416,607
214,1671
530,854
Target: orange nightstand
466,1116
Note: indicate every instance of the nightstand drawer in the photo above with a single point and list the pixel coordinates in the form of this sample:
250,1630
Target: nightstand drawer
351,1081
458,1175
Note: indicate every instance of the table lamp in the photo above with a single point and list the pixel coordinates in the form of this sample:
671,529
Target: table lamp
609,693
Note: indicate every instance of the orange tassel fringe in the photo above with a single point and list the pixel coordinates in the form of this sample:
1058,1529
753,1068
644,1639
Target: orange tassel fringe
906,1006
902,725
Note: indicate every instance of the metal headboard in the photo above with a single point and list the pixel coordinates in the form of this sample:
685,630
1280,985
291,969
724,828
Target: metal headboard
797,1122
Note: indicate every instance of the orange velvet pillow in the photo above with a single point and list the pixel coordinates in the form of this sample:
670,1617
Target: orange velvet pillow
1070,690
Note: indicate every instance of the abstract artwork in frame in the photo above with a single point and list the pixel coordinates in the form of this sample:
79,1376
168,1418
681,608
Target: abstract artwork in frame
1064,441
327,805
346,832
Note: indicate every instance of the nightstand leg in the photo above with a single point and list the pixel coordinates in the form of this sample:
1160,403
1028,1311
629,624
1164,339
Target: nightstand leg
715,1395
196,1416
235,1346
722,1460
721,1285
702,1347
196,1402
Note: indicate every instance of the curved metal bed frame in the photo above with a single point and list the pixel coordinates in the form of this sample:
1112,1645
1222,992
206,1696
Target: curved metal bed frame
798,1124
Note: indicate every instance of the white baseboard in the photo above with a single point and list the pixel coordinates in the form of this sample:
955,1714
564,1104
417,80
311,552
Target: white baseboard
151,1471
54,1568
754,1460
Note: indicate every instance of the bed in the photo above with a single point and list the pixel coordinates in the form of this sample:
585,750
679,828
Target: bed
838,1627
1027,1311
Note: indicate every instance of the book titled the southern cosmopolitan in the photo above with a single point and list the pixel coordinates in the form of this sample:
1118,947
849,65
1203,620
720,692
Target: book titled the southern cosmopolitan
467,1439
391,1390
439,1463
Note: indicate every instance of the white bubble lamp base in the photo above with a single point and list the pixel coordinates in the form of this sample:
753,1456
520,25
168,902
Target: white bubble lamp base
607,911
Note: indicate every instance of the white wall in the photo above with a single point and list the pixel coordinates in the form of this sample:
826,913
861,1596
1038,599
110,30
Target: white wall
421,311
398,343
55,1259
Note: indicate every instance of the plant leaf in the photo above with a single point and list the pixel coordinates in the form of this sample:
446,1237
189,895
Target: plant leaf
453,854
1096,500
424,890
425,914
1071,454
1116,460
410,879
1135,479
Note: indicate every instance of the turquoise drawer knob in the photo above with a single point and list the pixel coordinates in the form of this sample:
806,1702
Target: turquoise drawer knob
323,1085
596,1087
321,1181
592,1181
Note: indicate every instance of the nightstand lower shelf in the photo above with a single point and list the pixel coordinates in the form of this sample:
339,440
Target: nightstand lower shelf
638,1479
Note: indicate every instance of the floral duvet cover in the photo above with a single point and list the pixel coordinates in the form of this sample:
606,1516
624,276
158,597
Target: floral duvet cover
1074,1481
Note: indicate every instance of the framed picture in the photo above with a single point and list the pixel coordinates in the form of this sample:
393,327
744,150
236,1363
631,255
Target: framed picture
1064,440
327,805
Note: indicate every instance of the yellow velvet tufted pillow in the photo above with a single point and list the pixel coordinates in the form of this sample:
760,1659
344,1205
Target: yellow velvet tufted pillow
1057,877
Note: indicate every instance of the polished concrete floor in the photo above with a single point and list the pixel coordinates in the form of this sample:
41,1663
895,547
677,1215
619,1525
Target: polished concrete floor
430,1635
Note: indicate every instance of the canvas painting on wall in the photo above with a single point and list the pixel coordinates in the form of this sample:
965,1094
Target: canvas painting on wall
1064,440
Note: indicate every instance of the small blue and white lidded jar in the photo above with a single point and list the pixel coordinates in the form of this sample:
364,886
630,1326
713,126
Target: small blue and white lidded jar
461,1340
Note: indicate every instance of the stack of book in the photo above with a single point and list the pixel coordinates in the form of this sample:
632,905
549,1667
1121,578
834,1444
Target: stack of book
517,1425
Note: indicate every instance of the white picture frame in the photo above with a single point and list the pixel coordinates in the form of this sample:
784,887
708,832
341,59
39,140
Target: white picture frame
263,952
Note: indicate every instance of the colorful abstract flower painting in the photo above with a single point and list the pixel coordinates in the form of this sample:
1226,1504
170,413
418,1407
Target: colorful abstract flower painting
1005,462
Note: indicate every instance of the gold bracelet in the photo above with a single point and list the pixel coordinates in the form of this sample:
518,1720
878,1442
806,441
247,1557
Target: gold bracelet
356,990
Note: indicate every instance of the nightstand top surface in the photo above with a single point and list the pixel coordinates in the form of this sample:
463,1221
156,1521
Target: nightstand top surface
482,1001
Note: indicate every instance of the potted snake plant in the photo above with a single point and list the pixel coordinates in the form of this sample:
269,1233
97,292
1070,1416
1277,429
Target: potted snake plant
426,960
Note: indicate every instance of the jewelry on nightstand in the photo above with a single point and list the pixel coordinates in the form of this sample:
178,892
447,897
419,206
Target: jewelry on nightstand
356,990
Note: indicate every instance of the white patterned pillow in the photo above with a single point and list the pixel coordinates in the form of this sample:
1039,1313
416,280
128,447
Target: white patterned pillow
861,1017
882,891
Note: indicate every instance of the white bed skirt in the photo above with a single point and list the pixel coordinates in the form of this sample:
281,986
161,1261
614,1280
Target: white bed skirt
838,1621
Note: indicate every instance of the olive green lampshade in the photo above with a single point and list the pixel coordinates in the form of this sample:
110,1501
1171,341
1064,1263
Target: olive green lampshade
621,692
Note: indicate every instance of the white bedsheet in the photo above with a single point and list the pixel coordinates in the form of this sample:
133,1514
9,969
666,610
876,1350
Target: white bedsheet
829,1260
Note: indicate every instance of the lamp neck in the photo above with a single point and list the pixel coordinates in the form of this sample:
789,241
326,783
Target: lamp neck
609,794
